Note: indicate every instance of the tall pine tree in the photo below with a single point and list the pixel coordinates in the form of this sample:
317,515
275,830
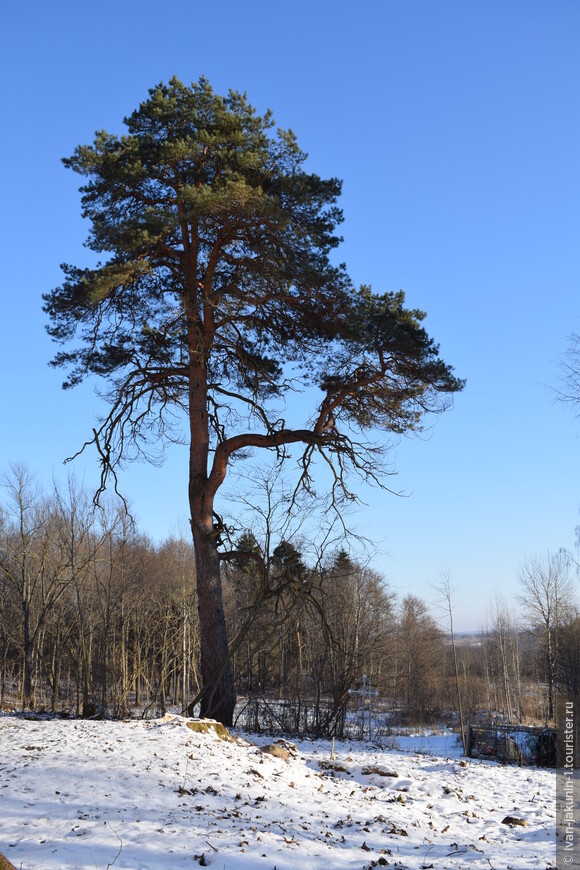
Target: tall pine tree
216,296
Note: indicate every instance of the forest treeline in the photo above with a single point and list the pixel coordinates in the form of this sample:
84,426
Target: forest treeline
94,616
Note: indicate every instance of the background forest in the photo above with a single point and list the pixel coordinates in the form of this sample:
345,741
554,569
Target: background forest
97,619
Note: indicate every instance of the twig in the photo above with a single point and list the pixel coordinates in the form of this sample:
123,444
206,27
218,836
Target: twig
120,847
185,774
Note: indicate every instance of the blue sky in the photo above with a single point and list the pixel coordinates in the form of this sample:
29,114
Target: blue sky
455,128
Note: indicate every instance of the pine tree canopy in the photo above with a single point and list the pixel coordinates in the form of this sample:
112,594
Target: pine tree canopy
217,292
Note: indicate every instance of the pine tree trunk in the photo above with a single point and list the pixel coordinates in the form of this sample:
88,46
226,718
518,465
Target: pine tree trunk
219,699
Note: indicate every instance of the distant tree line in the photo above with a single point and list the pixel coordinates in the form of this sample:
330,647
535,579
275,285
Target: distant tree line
95,617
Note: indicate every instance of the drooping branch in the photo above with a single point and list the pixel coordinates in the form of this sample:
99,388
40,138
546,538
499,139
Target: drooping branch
132,418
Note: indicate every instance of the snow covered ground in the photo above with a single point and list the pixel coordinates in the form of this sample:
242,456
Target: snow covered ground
154,794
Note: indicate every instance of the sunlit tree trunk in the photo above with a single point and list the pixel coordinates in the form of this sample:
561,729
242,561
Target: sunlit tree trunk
219,697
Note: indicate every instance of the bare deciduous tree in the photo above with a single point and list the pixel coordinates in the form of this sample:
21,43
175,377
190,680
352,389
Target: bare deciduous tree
445,591
546,595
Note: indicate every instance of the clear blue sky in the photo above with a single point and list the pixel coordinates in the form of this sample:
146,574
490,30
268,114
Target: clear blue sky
455,127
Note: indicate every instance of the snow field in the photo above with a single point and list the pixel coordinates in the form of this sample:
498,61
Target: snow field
149,795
